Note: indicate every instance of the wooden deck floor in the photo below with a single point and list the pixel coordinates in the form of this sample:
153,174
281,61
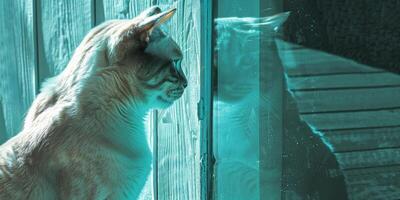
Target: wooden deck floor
356,110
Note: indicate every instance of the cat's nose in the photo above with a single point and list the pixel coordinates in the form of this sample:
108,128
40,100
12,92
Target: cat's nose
184,83
183,78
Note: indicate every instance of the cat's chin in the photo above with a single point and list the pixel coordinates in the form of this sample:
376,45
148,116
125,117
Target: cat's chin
163,102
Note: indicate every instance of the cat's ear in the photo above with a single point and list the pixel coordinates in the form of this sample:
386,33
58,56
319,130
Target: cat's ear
148,24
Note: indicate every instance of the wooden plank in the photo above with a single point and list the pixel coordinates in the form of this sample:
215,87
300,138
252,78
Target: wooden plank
326,67
307,62
312,56
127,9
303,55
373,183
18,62
346,100
346,120
371,158
3,136
178,127
344,81
61,27
352,140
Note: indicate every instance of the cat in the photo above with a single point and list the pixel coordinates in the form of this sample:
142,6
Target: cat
83,137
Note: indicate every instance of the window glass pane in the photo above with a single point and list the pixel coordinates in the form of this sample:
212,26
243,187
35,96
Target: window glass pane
313,114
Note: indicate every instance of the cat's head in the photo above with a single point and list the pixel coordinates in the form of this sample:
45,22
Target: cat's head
135,58
237,53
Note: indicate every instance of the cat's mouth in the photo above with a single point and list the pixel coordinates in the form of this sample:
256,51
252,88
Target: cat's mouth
175,93
165,100
171,95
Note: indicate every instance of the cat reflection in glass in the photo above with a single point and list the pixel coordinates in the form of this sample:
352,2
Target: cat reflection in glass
84,137
238,102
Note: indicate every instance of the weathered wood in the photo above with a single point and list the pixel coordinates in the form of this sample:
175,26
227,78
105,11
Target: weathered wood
344,81
373,183
61,27
346,120
371,158
3,136
126,9
363,139
17,63
347,100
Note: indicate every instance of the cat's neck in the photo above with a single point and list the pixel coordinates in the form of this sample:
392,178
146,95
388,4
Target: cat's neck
102,107
112,113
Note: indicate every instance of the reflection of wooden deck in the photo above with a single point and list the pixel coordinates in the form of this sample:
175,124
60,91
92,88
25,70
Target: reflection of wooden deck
356,110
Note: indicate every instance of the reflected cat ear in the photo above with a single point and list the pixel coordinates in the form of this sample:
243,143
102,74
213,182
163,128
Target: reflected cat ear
153,21
275,21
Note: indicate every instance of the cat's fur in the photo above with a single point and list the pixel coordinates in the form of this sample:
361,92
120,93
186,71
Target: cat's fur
83,137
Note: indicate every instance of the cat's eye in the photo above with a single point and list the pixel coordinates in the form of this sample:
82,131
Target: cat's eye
177,63
173,79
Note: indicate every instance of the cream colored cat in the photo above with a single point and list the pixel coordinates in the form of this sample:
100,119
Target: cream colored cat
83,137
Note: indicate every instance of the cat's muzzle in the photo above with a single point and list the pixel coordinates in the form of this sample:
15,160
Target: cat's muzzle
175,93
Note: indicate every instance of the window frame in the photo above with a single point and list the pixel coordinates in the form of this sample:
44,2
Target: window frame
204,106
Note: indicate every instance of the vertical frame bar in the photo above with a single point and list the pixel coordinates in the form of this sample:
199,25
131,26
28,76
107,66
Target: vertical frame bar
272,98
205,104
155,153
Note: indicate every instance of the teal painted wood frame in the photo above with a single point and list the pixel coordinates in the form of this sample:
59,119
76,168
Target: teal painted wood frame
206,98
